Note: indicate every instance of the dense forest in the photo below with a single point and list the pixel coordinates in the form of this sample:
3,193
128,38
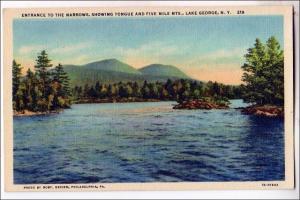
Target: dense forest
178,90
46,89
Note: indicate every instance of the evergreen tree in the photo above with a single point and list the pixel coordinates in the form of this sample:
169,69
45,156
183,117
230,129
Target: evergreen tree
136,90
275,72
92,92
40,91
97,89
129,90
263,73
31,84
153,90
145,90
41,68
16,78
86,89
61,77
123,91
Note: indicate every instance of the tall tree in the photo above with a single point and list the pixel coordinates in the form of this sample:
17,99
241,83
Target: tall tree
16,78
275,65
61,77
30,83
136,90
263,73
41,68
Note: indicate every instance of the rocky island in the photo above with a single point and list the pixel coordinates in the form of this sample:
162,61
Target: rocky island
200,104
264,110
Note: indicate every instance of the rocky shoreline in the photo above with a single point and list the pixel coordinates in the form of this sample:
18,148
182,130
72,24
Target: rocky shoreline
117,100
31,113
264,110
257,110
200,104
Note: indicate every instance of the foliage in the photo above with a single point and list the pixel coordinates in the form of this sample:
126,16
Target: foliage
16,78
112,71
43,90
263,73
178,90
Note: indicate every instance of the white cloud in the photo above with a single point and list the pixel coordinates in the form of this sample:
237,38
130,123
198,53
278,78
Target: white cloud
25,50
154,52
217,59
153,48
76,60
63,49
237,52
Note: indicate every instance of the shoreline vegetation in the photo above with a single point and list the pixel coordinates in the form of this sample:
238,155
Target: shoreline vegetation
47,90
264,79
115,100
30,113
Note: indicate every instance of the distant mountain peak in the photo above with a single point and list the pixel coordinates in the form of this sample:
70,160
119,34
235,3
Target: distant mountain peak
113,71
114,65
110,60
163,70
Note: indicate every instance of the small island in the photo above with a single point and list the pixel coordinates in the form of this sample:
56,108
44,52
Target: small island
204,103
264,110
264,79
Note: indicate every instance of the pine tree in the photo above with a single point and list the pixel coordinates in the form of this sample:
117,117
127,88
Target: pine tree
61,77
136,90
31,96
275,72
97,89
41,67
145,90
20,102
16,78
263,73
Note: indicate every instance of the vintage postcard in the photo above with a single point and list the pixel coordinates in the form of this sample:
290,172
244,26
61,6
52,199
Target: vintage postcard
148,98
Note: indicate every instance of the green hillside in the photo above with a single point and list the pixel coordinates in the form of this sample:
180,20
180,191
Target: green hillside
112,65
103,72
163,70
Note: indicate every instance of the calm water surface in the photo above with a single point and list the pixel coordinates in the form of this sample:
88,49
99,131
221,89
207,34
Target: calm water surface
147,142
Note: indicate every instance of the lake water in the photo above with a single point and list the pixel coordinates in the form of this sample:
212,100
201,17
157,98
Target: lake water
147,142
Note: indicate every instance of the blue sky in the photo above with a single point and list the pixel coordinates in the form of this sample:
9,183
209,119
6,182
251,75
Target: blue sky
206,48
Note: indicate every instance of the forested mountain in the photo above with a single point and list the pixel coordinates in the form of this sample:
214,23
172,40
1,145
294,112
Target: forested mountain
163,70
112,65
114,71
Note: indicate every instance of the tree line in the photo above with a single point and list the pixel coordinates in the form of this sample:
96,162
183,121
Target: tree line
46,89
178,90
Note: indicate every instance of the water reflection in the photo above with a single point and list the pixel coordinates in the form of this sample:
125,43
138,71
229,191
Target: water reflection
262,148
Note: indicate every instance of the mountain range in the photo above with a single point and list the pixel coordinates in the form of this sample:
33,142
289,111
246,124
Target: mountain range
113,70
